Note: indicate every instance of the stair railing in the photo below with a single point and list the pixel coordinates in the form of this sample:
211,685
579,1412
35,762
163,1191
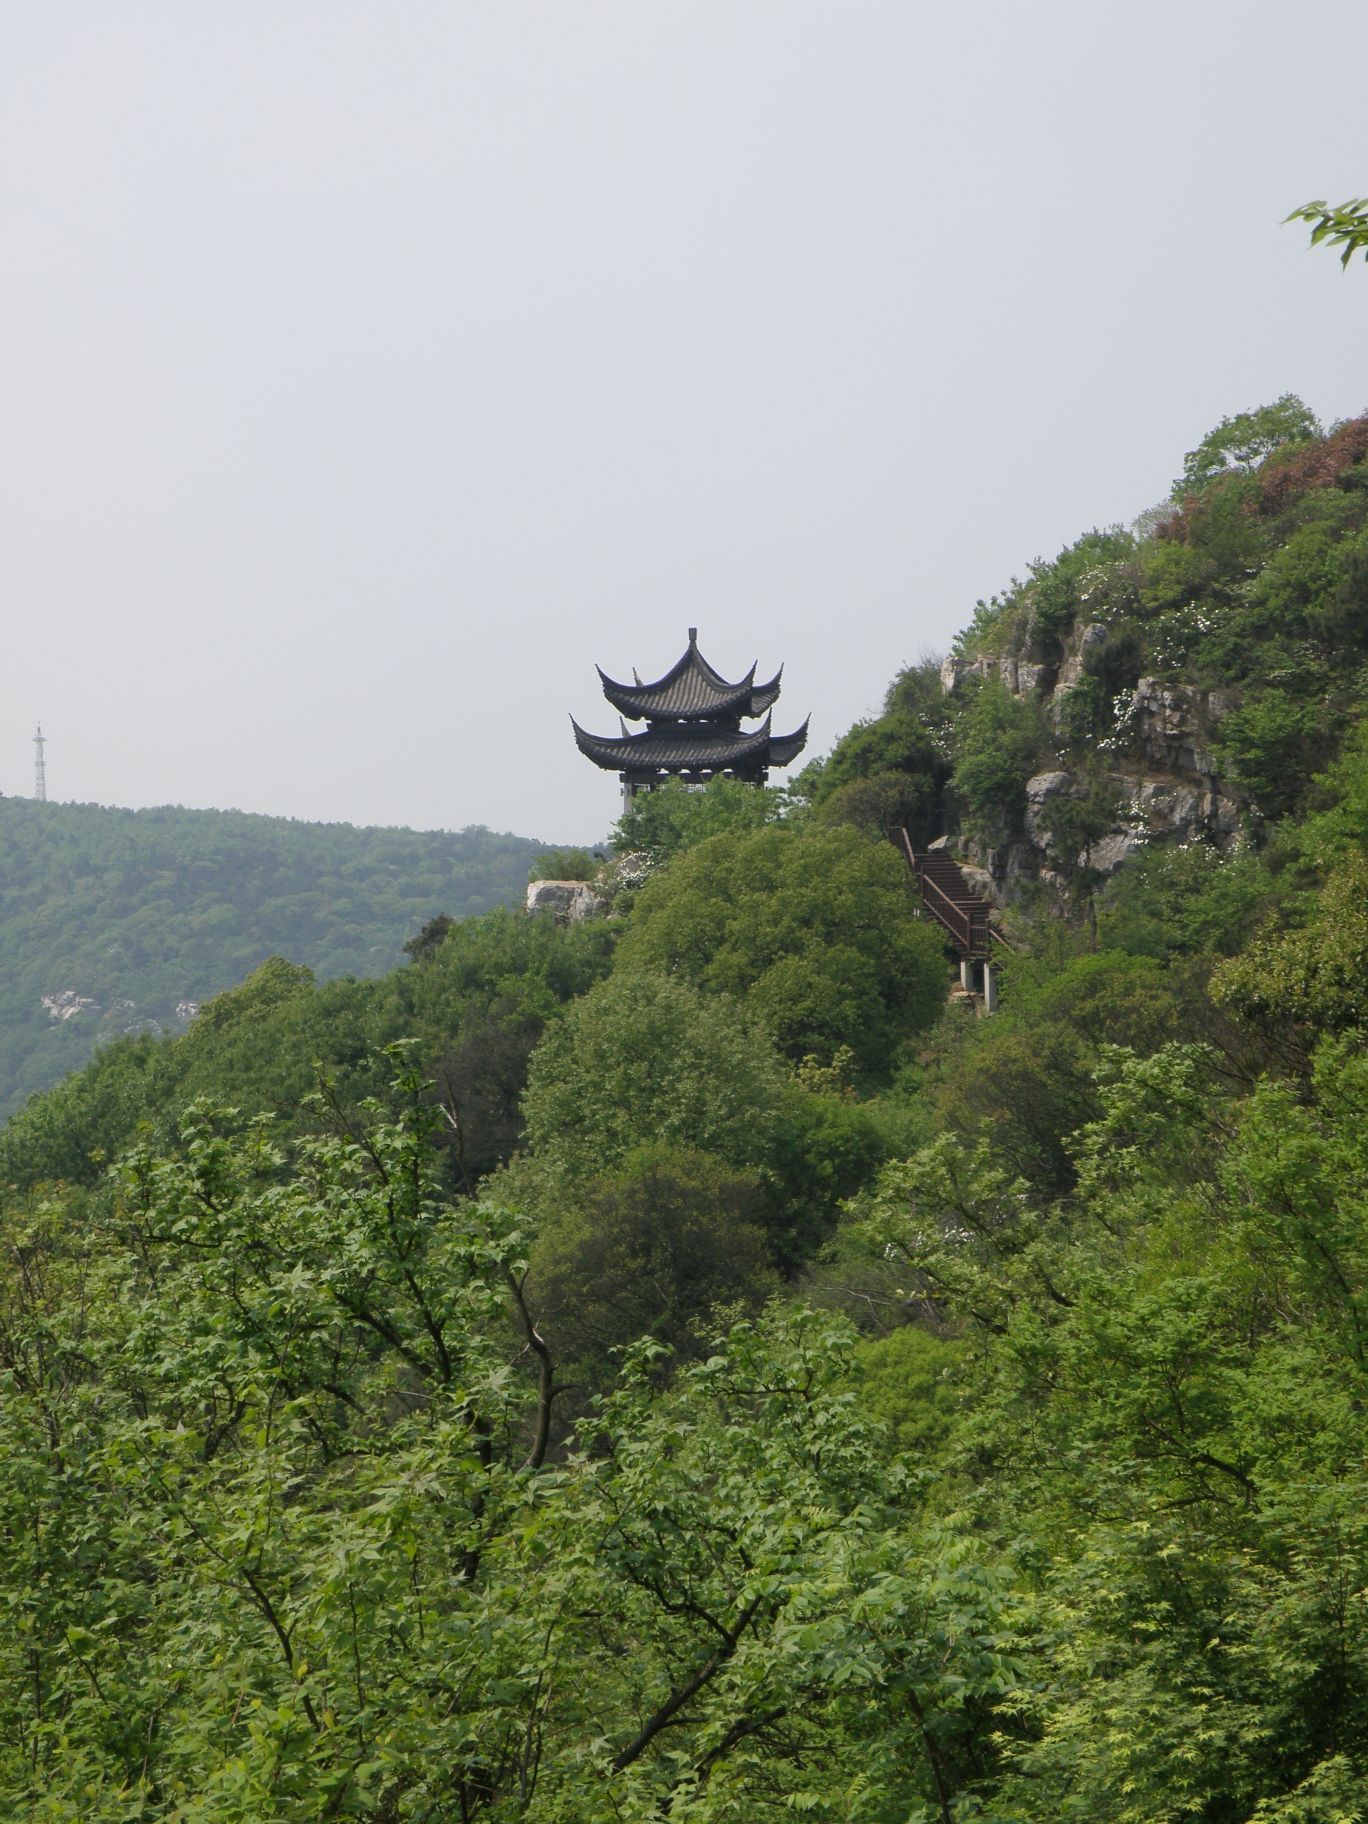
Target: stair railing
967,922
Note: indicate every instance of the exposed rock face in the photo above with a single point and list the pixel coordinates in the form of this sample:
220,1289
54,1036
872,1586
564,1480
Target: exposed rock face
69,1004
1149,810
1172,724
566,900
1200,809
119,1016
1020,677
1075,663
1106,856
1041,791
1161,766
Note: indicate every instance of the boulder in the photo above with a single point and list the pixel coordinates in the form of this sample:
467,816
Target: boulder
978,880
1043,786
567,901
1166,808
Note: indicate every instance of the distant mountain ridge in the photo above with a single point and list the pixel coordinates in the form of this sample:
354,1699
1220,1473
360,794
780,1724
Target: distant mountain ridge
116,921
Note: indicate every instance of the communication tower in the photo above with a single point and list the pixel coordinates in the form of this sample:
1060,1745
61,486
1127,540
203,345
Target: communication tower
39,770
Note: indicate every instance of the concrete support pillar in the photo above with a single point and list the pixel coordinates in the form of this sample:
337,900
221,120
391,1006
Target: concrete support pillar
967,974
989,987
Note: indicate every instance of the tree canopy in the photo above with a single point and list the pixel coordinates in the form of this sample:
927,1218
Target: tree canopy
811,929
114,922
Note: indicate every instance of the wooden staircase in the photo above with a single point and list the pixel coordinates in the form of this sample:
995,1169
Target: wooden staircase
947,896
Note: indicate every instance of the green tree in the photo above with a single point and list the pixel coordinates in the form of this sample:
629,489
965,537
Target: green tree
1000,740
1299,980
285,1543
647,1250
1241,442
880,804
675,816
426,943
283,1413
645,1057
1091,578
813,930
1271,746
1166,1371
1024,1081
891,770
792,1648
908,1379
1184,899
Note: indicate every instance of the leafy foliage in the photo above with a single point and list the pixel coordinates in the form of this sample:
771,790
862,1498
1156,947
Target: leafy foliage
645,1249
643,1055
1185,899
1243,441
658,824
329,1569
564,864
1343,225
1000,740
812,929
1308,978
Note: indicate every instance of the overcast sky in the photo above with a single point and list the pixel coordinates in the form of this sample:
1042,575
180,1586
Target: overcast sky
369,371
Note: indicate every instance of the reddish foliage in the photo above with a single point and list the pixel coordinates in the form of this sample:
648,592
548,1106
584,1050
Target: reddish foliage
1193,508
1289,474
1283,478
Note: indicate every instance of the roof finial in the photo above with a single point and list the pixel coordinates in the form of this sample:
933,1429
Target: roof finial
693,636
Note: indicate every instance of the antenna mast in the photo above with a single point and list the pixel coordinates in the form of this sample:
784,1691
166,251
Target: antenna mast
39,769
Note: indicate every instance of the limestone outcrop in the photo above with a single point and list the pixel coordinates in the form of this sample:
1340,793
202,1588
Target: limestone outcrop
566,900
1160,766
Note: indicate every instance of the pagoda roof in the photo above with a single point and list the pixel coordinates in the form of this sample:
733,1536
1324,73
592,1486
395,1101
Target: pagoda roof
691,749
690,691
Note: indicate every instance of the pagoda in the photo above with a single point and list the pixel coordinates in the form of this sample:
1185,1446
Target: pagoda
693,729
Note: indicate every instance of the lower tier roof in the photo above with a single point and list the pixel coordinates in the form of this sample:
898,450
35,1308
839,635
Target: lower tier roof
691,748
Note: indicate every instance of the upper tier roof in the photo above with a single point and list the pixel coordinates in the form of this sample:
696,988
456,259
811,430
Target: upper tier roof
691,691
691,749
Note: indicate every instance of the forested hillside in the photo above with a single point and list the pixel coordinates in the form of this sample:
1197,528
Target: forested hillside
686,1363
116,921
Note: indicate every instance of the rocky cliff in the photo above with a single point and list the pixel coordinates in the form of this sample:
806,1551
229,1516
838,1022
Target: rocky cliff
1158,763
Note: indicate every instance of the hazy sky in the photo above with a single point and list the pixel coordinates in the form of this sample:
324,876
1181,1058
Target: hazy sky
368,371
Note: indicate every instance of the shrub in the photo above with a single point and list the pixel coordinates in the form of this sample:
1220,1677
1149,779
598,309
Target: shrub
564,864
1001,741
